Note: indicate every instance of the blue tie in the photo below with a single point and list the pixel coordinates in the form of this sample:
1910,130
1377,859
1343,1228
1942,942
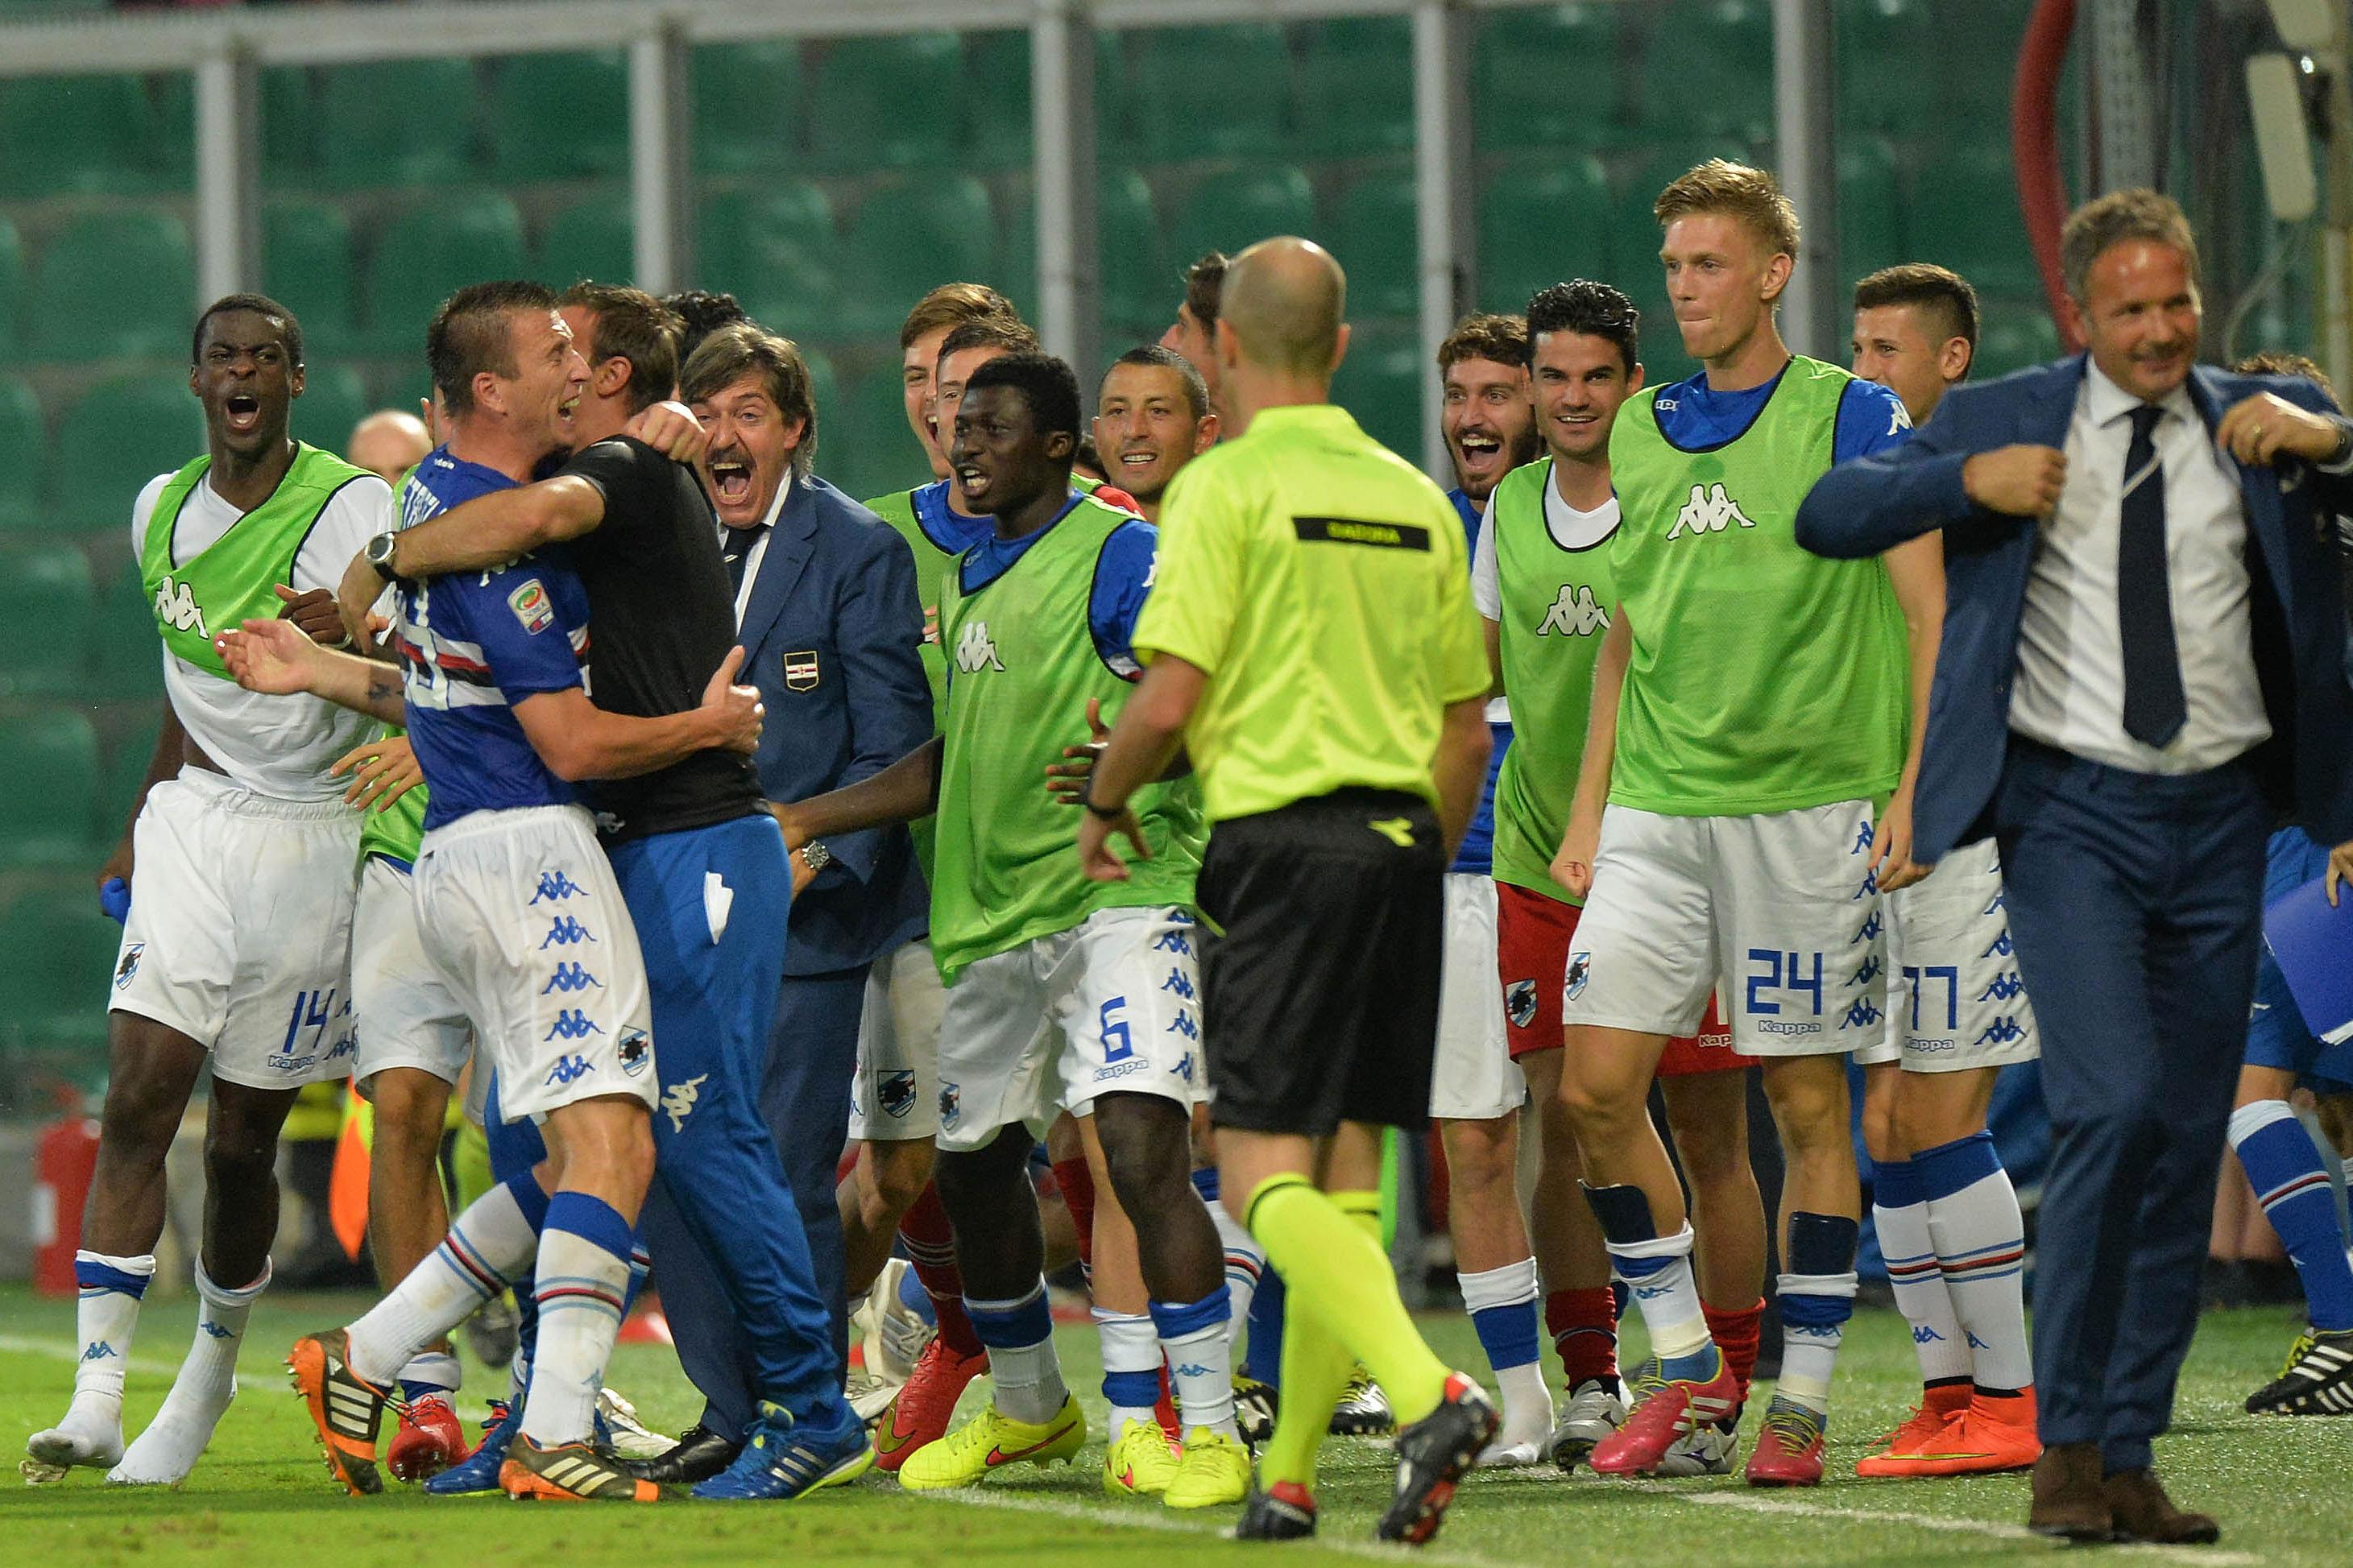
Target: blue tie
2154,707
736,549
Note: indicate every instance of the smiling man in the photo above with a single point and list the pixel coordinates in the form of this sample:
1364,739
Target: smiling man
1152,417
1489,423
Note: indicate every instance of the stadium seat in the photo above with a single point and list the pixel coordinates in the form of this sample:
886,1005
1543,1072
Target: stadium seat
307,266
888,102
1886,51
1240,207
1542,222
46,607
774,251
1870,208
333,402
429,250
1138,288
1212,92
22,446
114,283
399,122
997,132
1707,67
562,116
1380,384
12,289
825,387
128,757
76,133
1635,227
1973,82
864,445
908,237
55,952
1375,237
125,659
594,238
747,106
1548,76
120,435
1356,88
289,121
1964,213
2013,334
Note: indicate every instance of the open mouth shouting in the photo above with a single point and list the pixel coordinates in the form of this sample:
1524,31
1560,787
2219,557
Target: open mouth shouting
242,411
731,479
972,480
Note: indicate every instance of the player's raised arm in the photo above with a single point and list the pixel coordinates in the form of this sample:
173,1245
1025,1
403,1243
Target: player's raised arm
277,659
477,536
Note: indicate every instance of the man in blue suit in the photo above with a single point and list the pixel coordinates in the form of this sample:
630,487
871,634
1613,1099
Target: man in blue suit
828,614
2143,661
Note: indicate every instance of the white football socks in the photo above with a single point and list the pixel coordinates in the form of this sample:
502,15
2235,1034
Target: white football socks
200,1396
106,1318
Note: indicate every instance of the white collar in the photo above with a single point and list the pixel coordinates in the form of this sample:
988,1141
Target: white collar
2105,401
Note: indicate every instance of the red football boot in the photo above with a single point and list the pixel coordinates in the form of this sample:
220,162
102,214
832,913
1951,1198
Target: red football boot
919,1414
1788,1451
430,1440
1664,1417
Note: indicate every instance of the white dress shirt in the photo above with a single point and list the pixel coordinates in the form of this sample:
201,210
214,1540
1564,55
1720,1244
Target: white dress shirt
759,551
2069,689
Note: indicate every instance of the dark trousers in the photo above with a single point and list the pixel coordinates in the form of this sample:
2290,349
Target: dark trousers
2135,903
804,1099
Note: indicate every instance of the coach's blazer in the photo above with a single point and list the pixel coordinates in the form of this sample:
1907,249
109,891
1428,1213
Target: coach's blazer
829,632
1870,504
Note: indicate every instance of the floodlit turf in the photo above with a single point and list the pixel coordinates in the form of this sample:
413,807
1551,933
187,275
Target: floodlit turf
2283,1488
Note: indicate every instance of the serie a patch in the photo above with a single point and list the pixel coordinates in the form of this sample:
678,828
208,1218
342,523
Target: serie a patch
531,606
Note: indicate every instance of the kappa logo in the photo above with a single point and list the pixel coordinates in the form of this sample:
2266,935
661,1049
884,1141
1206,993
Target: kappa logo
128,964
635,1052
569,977
2001,945
564,932
1184,1025
1921,1334
100,1351
1575,614
555,886
1710,511
975,650
1863,836
1184,1068
1581,970
1520,1002
951,1104
896,1093
1175,942
1179,983
570,1070
176,606
2006,985
206,1327
1862,1015
2003,1031
572,1023
1869,931
1867,974
678,1100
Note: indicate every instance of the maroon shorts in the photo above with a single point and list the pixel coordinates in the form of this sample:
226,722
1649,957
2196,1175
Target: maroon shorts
1533,938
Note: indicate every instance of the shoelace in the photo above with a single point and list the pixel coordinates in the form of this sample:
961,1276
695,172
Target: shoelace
1796,1426
2296,1353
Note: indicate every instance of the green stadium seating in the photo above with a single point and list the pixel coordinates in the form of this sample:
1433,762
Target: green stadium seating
594,238
1548,76
289,121
864,446
127,757
333,402
58,951
428,252
1138,289
1707,67
399,122
13,285
2013,334
887,102
774,251
996,130
747,106
1210,91
1375,237
45,639
1356,88
1964,214
114,283
307,266
1870,208
1885,53
906,238
560,117
22,446
825,385
1380,383
125,659
1240,207
77,133
118,436
1541,223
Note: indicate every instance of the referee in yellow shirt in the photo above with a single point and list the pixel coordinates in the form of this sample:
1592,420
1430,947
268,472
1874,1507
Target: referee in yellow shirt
1312,646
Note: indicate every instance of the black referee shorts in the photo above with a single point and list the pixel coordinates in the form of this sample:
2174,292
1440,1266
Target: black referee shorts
1320,1000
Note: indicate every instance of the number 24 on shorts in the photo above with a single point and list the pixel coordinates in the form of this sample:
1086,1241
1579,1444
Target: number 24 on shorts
1767,972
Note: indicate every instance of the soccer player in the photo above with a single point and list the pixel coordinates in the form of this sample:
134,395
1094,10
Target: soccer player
1761,725
1152,417
517,908
2282,1162
1063,994
239,857
1948,1217
1475,1092
1540,578
388,443
1194,331
1313,649
697,859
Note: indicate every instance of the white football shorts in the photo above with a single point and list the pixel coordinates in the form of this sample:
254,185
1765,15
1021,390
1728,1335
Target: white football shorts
1472,1077
240,928
407,1016
522,915
1779,908
896,1095
1110,1006
1955,997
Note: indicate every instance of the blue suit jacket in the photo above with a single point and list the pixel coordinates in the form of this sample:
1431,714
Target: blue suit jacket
1869,505
829,633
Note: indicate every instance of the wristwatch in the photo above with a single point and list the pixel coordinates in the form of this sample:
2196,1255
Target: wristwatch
815,856
379,554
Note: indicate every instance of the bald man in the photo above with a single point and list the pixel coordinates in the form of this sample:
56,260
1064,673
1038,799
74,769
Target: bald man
1341,740
389,443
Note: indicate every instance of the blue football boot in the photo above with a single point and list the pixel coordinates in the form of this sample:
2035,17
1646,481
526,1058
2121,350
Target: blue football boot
784,1460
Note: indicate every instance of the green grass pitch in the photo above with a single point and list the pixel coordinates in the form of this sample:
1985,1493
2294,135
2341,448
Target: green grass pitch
2283,1488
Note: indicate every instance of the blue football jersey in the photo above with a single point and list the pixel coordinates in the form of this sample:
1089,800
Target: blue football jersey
473,644
1477,855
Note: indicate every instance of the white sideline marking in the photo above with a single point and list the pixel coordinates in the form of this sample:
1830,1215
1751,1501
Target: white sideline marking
2205,1555
1161,1519
56,1352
